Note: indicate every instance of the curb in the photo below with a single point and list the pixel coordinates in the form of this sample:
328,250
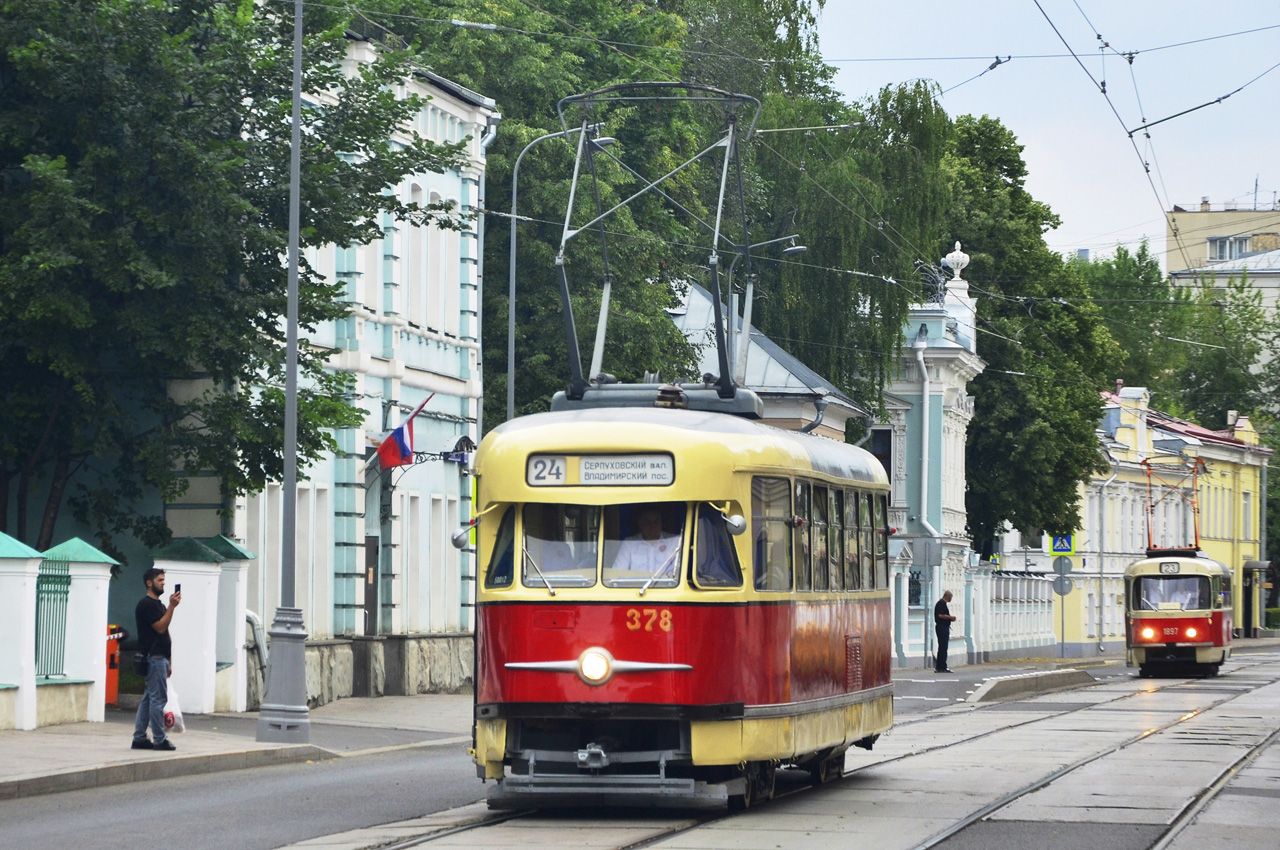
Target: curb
139,771
1003,687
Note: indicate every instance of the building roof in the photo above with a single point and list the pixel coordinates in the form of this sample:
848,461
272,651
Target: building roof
1174,426
80,552
13,548
187,549
771,370
1259,262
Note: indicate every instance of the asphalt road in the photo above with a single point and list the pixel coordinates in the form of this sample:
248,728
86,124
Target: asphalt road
254,809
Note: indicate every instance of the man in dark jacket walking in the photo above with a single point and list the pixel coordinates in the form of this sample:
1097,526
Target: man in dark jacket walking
153,618
942,620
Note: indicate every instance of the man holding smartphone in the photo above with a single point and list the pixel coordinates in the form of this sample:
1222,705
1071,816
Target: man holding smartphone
153,618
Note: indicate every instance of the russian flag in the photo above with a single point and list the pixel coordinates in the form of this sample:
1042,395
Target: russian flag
397,448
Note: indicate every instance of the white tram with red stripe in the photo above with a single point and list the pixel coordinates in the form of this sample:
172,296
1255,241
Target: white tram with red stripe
1178,613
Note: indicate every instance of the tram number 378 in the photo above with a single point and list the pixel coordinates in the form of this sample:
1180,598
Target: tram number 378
648,619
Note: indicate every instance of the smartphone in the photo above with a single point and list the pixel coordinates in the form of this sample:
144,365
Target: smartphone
177,588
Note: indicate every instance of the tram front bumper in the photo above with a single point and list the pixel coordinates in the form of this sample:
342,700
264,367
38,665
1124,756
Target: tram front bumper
515,792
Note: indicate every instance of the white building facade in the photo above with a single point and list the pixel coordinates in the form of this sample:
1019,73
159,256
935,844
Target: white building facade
387,600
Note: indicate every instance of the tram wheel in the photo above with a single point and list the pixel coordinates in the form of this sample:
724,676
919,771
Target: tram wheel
759,779
828,769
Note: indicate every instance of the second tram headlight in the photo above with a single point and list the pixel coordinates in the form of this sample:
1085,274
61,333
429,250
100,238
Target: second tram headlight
1148,633
1191,631
595,666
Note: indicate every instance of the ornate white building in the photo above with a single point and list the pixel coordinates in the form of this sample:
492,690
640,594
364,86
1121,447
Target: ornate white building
387,601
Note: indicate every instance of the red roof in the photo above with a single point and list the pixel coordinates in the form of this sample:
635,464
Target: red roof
1181,426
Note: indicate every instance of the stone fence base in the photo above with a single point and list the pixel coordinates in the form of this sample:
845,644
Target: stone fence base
381,665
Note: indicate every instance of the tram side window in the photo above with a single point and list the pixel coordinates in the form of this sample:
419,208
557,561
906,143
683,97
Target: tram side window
1226,592
851,581
882,541
818,539
801,537
560,543
717,561
866,554
835,539
501,570
771,523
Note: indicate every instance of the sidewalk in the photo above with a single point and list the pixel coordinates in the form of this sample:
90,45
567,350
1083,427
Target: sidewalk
89,755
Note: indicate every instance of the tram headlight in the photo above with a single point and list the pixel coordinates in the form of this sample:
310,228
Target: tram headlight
1148,633
1191,631
595,666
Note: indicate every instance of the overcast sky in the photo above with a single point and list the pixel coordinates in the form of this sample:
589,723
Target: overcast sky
1080,160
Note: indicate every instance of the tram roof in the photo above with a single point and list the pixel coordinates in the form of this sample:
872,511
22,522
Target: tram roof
680,431
1198,564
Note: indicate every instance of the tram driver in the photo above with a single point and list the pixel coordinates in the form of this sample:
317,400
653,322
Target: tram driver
650,550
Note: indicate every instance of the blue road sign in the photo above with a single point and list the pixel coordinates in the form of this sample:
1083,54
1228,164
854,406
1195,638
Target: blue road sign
1063,544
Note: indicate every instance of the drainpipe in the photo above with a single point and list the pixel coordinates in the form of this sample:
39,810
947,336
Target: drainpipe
259,640
490,133
922,342
1102,543
1262,529
867,422
821,406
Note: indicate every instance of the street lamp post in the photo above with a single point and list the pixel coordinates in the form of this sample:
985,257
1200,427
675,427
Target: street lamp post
284,716
511,271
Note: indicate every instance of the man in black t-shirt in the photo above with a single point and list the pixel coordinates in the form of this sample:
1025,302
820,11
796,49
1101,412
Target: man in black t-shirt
153,618
942,620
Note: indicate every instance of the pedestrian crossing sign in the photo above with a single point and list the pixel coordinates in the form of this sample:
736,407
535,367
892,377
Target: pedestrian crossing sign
1063,544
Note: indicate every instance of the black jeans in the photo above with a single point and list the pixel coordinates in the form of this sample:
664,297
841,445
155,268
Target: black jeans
944,637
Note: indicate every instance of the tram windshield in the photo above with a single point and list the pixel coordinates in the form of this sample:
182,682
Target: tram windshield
1185,593
643,544
560,544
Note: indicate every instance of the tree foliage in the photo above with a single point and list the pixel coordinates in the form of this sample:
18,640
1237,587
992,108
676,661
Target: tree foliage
144,172
1032,439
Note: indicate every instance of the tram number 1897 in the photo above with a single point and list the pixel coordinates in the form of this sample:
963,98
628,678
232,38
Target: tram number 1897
648,619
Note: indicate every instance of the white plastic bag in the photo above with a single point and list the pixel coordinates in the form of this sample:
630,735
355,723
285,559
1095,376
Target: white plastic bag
173,713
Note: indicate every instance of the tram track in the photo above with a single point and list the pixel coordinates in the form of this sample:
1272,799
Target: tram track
1179,823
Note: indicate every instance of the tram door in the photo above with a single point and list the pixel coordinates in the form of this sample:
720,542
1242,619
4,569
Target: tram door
371,585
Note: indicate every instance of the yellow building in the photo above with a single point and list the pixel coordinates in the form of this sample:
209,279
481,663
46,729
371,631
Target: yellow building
1197,235
1117,527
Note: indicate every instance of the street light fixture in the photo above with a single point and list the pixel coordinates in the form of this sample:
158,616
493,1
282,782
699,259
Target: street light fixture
744,336
511,271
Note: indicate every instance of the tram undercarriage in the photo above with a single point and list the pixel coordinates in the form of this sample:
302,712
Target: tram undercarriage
650,763
1174,660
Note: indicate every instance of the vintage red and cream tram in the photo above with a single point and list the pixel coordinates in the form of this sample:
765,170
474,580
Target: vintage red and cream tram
1178,613
672,603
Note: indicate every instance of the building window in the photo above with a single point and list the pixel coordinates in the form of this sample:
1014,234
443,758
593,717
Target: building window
882,447
1247,518
1227,247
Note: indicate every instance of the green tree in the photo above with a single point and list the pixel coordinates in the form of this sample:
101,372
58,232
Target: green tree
1147,316
527,73
144,172
1032,440
1222,364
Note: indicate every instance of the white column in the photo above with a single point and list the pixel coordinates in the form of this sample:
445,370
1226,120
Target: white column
233,593
86,652
193,631
19,566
